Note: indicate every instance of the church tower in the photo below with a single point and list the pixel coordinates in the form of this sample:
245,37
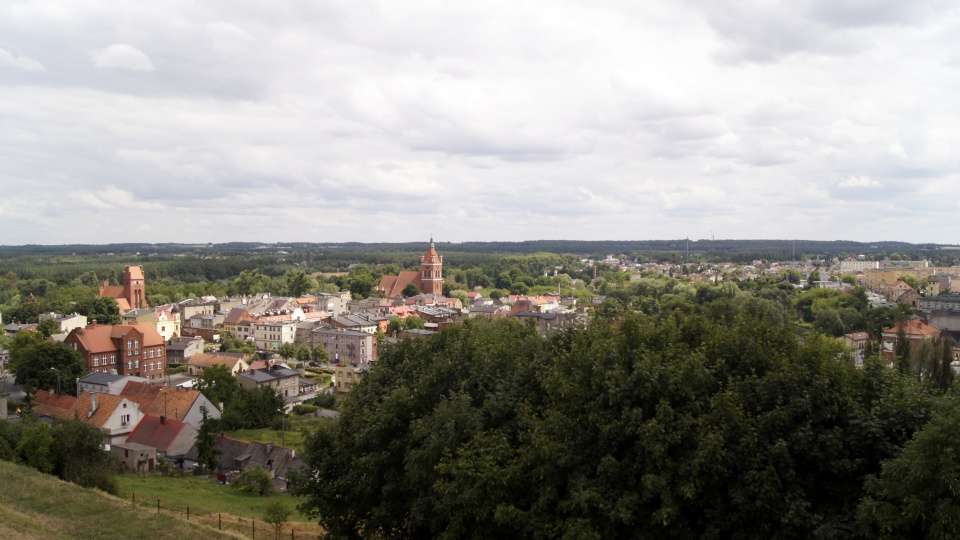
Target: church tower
431,272
134,287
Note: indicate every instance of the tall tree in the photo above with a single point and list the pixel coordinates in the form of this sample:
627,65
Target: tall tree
40,366
208,454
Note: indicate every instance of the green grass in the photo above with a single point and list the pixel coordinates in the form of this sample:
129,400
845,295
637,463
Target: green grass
202,495
292,439
39,506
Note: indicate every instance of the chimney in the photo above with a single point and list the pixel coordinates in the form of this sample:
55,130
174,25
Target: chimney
163,420
94,404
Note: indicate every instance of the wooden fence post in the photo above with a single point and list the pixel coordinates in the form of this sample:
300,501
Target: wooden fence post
220,521
158,506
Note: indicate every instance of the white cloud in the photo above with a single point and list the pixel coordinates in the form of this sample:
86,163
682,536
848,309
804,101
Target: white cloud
20,62
500,120
858,182
122,56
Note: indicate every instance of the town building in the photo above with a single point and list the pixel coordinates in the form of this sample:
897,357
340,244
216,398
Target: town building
125,349
346,346
284,381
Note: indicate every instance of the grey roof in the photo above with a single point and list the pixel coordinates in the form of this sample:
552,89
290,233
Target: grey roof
271,374
101,378
340,331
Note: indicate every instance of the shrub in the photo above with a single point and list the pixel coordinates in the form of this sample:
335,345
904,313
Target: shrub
254,481
305,409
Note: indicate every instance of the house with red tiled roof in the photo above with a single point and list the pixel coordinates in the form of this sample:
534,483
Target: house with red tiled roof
201,361
174,402
132,294
171,438
115,416
915,329
126,349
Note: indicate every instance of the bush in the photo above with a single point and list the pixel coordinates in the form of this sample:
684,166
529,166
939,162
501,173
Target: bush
254,481
305,409
324,401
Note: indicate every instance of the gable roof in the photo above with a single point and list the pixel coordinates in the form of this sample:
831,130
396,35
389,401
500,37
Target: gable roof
170,401
97,338
206,360
151,432
78,408
392,286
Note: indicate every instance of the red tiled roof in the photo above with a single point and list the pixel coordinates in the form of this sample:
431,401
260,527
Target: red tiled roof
914,327
393,286
174,402
77,408
151,432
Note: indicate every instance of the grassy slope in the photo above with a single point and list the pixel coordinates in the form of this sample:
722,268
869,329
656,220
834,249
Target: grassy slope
202,495
38,506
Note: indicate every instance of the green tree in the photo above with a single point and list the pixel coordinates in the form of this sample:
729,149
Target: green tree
298,282
77,456
38,366
250,282
252,409
103,310
361,286
276,513
303,353
217,384
911,281
254,481
410,290
208,454
677,426
287,351
412,322
917,494
48,327
35,445
320,355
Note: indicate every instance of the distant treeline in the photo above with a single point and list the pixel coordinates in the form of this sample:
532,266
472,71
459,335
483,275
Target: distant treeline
192,263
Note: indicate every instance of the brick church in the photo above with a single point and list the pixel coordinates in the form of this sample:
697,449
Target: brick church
132,294
429,279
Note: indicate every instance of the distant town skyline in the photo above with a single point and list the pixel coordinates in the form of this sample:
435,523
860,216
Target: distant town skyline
376,121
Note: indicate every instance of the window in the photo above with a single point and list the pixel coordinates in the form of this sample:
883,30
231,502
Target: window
129,364
136,364
96,360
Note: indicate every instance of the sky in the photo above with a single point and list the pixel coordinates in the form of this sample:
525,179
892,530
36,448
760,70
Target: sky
382,121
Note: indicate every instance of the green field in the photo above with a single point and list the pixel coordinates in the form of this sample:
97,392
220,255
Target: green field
39,506
202,495
293,437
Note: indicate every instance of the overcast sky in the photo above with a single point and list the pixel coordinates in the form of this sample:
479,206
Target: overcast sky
357,120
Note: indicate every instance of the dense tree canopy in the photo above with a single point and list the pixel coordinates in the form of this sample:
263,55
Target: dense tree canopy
39,365
680,426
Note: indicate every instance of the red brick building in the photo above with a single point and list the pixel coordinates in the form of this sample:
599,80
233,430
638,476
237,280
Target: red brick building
132,294
429,279
127,349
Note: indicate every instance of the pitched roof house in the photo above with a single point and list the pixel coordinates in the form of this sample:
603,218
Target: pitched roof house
126,349
170,437
202,361
175,402
115,416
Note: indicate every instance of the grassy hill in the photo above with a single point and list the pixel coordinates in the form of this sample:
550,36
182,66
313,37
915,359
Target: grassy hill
38,506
